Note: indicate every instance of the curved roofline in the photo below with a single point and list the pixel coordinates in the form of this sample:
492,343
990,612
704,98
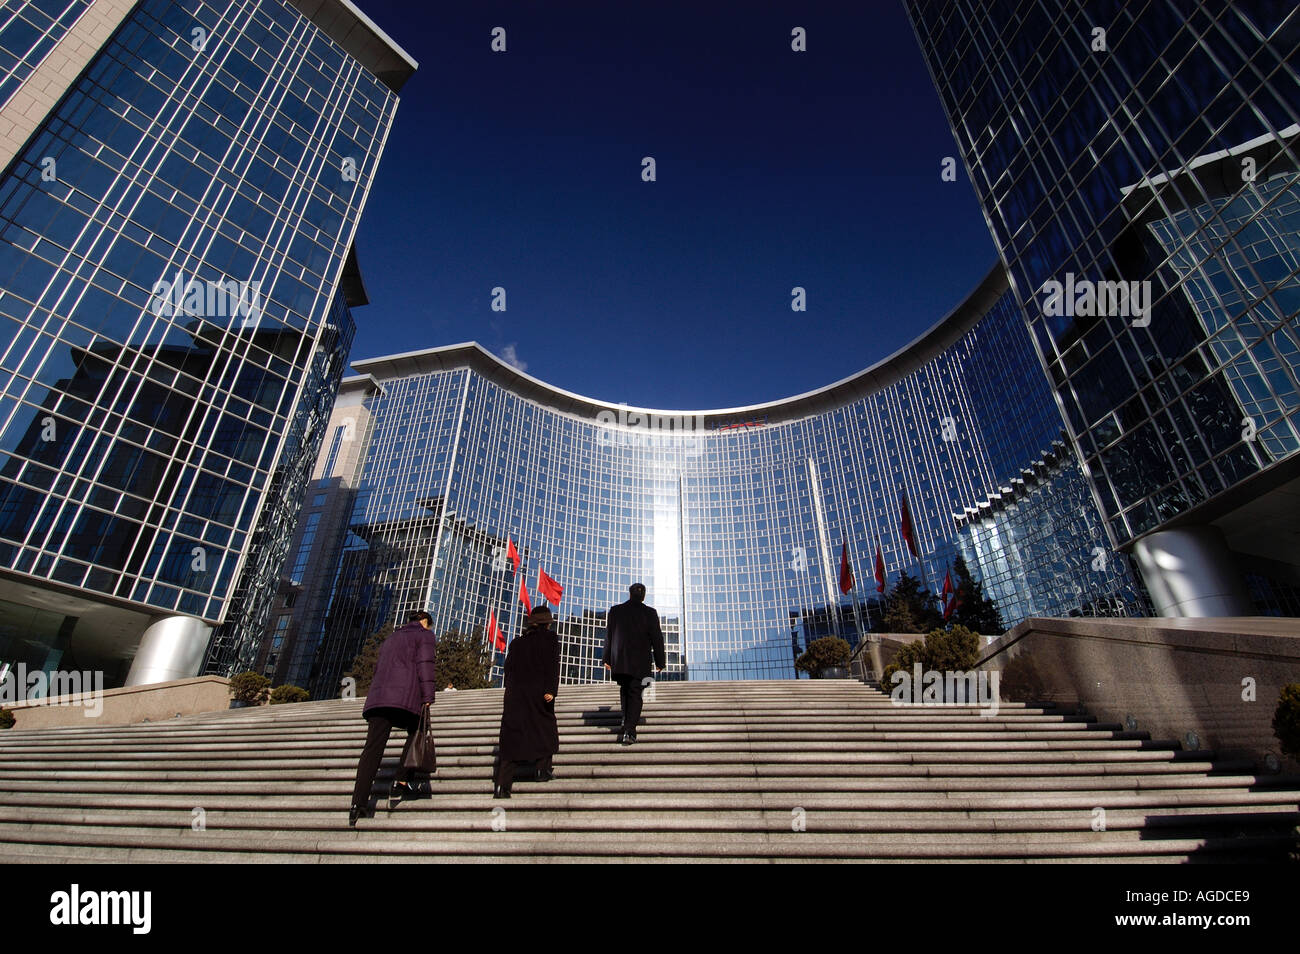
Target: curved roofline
928,345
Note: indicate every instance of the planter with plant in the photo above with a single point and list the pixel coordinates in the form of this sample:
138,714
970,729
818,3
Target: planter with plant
826,658
249,689
6,719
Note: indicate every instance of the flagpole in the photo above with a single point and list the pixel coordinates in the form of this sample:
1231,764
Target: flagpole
922,576
514,609
514,602
857,619
853,595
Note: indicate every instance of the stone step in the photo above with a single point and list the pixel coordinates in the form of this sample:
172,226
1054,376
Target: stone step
599,762
356,729
593,811
630,845
576,743
534,797
750,774
684,716
720,773
341,785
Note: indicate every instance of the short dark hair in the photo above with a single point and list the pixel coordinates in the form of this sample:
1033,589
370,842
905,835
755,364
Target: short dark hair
417,616
637,591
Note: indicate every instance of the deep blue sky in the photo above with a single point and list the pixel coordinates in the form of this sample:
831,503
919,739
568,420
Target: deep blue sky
775,169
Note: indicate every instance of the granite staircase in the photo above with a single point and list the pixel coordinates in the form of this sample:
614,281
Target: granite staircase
738,771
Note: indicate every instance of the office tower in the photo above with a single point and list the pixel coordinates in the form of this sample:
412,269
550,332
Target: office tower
181,186
1137,164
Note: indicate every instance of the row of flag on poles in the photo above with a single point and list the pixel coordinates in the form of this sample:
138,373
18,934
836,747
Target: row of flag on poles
551,590
950,598
548,587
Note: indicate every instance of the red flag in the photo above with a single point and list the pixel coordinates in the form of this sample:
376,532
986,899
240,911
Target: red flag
494,632
846,571
512,553
905,525
880,570
548,587
523,595
949,597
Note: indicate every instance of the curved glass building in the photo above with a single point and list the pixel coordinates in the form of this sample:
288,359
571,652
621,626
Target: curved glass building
735,518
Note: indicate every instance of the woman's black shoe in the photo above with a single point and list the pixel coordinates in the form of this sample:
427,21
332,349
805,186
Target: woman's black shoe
356,812
501,792
544,775
407,791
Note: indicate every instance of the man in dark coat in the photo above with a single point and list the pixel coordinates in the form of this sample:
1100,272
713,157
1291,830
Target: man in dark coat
532,679
632,634
403,685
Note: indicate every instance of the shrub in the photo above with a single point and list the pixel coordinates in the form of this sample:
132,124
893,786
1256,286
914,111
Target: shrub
250,687
952,650
287,693
1286,720
6,719
824,653
904,659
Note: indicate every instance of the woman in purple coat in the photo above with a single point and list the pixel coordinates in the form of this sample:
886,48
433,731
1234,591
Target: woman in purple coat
403,685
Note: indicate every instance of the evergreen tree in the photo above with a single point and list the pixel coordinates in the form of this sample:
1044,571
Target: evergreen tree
898,619
912,606
463,661
974,610
363,667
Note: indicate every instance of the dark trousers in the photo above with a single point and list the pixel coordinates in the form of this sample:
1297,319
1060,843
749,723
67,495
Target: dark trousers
381,723
506,770
629,700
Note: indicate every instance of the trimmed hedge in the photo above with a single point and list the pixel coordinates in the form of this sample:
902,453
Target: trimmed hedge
943,650
281,695
824,653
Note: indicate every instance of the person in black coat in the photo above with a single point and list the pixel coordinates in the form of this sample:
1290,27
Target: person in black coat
403,685
529,732
632,635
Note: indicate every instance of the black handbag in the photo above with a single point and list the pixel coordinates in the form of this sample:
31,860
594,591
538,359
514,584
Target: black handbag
420,755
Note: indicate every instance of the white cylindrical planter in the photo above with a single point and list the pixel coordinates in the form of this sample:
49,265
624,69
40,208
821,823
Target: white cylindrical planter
171,648
1189,571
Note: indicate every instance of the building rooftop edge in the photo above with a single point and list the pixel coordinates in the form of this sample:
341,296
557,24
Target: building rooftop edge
883,373
345,23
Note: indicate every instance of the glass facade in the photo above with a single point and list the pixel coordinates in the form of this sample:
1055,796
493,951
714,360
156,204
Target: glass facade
29,30
1137,164
733,520
174,313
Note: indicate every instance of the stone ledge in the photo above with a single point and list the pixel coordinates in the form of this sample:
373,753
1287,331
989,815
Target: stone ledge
125,706
1174,677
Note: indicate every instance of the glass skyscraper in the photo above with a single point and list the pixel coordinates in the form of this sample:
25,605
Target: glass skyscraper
734,519
1137,164
182,183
